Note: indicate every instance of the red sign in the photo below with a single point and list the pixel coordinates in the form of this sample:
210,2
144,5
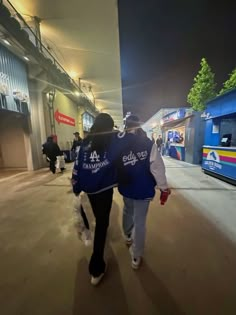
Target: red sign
64,119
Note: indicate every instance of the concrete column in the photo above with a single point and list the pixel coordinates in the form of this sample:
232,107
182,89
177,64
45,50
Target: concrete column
37,133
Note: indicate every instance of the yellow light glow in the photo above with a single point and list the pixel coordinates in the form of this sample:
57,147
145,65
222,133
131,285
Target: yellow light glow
99,107
25,7
73,74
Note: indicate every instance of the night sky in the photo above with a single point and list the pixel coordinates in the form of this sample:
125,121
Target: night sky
162,43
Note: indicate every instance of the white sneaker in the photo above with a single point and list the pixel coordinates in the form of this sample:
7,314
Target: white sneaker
128,239
96,280
136,261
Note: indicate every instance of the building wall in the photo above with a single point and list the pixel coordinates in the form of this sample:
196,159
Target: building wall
212,138
12,143
64,132
14,131
36,132
195,129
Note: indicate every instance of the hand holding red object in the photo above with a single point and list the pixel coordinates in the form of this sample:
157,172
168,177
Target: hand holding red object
164,195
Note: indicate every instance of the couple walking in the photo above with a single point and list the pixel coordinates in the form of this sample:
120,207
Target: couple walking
130,161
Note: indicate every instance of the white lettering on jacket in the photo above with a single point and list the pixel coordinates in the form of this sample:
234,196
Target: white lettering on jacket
94,156
142,155
132,159
95,167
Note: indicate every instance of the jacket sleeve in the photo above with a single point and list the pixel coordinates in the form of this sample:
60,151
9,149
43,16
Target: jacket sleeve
75,176
157,168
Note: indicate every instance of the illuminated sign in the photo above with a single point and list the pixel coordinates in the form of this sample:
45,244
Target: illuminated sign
178,114
64,119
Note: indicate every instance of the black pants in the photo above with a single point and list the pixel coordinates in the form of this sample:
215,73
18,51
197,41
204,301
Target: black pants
84,217
101,205
52,166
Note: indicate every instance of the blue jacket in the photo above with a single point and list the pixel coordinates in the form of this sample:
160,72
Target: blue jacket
135,179
93,171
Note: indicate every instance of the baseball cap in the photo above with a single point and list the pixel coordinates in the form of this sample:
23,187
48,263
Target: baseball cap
132,121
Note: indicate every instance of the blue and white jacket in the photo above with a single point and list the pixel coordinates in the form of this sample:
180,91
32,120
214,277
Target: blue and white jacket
93,171
140,167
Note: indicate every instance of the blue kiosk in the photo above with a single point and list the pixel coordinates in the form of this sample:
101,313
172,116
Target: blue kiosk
219,150
183,134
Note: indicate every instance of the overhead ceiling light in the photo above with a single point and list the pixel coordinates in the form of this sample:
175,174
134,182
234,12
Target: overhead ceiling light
6,42
26,58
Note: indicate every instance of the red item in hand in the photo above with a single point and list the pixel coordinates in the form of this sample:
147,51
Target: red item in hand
164,196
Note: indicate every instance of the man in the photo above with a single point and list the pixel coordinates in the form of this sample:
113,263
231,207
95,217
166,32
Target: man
51,150
76,143
159,143
94,173
140,169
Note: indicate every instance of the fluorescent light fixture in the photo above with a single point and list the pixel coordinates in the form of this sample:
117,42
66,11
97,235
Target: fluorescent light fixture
26,58
6,42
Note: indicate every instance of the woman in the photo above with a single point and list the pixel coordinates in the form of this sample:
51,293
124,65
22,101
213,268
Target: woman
94,174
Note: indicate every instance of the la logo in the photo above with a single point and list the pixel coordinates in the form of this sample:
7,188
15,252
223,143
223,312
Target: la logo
94,157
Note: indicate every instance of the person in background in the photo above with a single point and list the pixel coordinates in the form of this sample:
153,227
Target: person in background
140,170
159,143
76,142
95,174
181,138
167,148
51,150
153,139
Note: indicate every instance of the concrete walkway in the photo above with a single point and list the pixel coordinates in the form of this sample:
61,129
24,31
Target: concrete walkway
190,256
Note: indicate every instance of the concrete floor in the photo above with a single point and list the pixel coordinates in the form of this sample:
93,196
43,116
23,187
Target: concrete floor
8,172
190,256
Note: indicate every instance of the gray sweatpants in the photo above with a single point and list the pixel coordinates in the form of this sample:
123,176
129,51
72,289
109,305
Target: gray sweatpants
134,222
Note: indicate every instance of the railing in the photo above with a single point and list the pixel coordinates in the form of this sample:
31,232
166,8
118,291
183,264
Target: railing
41,47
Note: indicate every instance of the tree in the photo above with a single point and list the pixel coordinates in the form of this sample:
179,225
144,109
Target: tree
203,88
230,83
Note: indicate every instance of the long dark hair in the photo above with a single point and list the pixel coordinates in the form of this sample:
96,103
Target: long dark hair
100,133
